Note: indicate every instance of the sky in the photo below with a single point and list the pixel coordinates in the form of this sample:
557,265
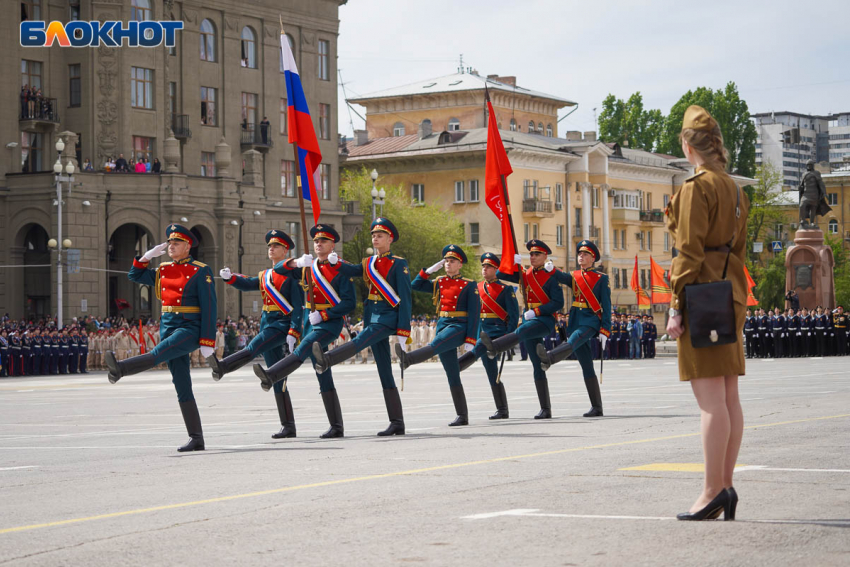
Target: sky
783,55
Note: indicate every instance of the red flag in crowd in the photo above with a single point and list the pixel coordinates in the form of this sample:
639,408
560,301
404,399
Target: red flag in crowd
496,170
141,338
661,292
640,294
751,299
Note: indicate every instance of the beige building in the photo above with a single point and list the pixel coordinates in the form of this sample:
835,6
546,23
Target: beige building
198,108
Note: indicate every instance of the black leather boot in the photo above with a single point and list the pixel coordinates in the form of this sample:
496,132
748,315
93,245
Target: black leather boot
325,360
592,385
543,395
287,417
229,363
393,401
459,399
496,346
466,360
406,359
192,419
134,365
331,401
501,399
557,354
277,371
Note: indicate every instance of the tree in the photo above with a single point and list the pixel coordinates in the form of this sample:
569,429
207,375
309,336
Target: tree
841,271
765,209
627,123
424,228
770,283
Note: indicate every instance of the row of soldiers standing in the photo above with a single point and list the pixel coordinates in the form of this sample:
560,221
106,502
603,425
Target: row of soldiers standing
796,334
40,353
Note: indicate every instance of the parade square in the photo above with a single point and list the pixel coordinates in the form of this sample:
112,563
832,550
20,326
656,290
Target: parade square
90,476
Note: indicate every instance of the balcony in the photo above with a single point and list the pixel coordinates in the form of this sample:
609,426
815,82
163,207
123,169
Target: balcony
180,126
537,207
41,113
577,232
351,207
655,215
256,136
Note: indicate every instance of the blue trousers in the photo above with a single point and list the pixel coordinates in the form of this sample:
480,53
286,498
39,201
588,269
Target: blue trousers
634,347
269,342
84,360
305,350
491,365
530,334
579,340
177,343
450,335
377,336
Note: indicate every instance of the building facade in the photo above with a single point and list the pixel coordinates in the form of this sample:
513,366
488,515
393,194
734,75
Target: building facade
212,110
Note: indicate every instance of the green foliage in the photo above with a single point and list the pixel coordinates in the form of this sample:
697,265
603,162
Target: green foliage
841,271
770,283
765,208
627,121
424,230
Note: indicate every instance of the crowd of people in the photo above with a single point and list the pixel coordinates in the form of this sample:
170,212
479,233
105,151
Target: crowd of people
34,104
121,165
796,333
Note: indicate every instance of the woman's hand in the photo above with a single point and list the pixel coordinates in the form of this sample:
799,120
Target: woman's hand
674,327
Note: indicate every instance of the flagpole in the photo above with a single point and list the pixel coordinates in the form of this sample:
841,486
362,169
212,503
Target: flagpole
513,237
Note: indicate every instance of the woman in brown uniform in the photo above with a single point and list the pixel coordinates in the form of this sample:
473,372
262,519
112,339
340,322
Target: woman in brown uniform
702,219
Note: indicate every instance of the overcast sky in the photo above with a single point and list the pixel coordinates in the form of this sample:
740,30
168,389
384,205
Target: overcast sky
783,55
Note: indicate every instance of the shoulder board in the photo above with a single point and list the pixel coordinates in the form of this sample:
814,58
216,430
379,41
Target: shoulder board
398,257
164,264
199,264
695,175
468,280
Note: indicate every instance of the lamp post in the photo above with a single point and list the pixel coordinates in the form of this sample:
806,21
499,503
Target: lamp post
377,196
59,243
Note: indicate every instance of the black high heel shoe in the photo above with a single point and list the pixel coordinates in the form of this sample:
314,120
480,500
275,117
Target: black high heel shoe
720,503
733,504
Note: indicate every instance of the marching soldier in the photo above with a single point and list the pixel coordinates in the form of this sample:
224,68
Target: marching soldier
840,322
499,316
186,289
386,312
333,299
590,315
545,298
458,307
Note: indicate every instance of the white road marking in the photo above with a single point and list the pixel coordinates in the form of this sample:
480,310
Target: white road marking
19,468
766,468
532,512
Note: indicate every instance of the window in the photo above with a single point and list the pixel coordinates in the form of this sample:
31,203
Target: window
833,226
291,43
417,192
207,41
398,129
283,115
648,201
31,73
832,199
623,245
249,48
641,239
666,201
473,233
141,87
293,228
208,164
513,125
208,98
559,235
324,50
578,223
540,127
74,85
666,241
459,192
142,148
525,232
549,131
287,178
473,190
30,10
531,127
616,240
624,278
643,278
73,10
31,152
559,197
649,240
249,111
324,121
140,10
535,231
454,125
325,179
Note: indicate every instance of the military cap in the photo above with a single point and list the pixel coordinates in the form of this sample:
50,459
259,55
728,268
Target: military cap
454,251
383,224
275,236
589,247
538,246
179,232
324,231
490,259
698,118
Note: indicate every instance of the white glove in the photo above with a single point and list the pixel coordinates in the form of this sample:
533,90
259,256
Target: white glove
315,318
604,340
155,252
225,274
290,342
435,267
467,347
304,261
549,266
517,259
333,258
529,315
402,341
207,351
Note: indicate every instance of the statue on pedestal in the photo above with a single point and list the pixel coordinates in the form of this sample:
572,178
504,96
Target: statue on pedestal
812,197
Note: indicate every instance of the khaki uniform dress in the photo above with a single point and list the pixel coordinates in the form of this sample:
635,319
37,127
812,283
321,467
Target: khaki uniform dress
219,344
702,215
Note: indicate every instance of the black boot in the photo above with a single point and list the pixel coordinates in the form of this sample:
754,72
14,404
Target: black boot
393,401
459,399
501,399
496,346
406,359
134,365
229,363
192,419
592,385
287,417
277,371
331,401
325,360
466,360
543,395
557,354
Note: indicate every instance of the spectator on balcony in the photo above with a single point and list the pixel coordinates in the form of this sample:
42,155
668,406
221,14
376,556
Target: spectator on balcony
156,167
121,164
264,129
147,165
32,100
140,166
87,166
25,95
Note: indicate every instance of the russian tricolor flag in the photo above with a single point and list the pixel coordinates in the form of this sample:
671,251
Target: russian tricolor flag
301,131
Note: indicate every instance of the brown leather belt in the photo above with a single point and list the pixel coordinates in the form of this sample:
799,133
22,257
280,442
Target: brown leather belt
454,314
309,305
178,309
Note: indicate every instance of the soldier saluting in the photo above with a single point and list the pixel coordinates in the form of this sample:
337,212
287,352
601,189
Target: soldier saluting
186,289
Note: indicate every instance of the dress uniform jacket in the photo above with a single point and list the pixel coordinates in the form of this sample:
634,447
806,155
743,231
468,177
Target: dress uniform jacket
4,356
702,215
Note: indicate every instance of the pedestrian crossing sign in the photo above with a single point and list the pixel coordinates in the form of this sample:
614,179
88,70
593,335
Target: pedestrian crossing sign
776,245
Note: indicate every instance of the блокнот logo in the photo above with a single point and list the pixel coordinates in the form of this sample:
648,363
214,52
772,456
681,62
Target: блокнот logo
78,33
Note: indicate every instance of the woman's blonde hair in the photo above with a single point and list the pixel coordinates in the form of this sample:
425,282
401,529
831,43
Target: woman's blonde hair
708,144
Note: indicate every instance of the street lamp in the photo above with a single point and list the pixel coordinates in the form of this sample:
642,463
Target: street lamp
59,243
377,196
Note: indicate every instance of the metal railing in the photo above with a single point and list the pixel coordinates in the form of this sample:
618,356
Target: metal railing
180,126
257,135
351,207
654,215
536,206
40,109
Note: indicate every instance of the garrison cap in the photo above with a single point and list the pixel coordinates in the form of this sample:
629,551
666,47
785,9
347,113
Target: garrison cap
589,247
454,251
179,232
538,246
383,224
324,231
698,118
275,236
490,259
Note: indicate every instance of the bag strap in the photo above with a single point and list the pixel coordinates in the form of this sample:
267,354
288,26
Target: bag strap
735,230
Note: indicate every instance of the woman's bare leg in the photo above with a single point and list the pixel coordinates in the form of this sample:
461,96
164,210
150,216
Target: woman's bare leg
711,397
736,428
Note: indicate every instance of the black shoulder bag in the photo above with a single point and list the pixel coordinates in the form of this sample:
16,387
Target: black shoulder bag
710,306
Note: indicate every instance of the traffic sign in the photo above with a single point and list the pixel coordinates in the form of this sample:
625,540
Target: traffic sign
776,245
